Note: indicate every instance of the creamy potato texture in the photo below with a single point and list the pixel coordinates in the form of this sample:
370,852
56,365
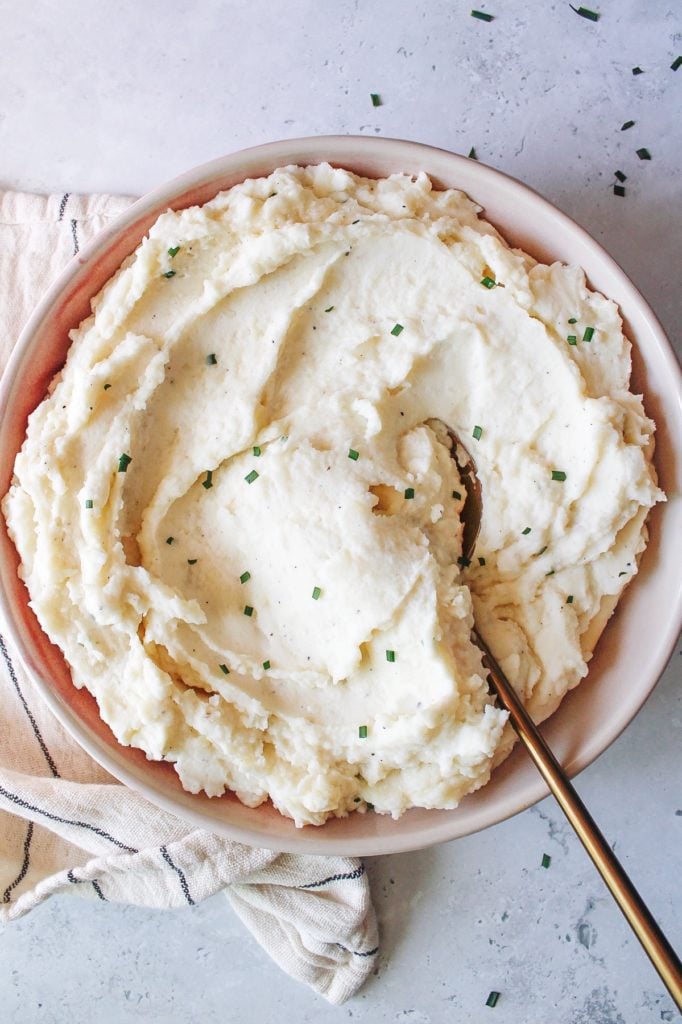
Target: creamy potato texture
238,515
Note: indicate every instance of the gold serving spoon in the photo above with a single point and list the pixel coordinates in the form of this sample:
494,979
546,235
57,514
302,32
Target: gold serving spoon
638,916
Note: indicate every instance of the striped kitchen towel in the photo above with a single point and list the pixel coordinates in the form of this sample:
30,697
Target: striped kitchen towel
65,824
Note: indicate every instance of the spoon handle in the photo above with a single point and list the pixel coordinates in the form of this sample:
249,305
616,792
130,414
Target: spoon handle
655,944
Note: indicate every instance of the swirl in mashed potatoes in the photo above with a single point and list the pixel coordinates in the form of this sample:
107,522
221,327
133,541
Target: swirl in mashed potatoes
239,519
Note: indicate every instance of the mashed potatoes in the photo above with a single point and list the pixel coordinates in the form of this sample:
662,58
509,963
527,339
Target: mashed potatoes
238,516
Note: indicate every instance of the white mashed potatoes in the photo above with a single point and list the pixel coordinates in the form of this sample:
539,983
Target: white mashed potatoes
239,522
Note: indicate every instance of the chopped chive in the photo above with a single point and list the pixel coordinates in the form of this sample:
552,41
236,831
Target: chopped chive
369,806
123,463
540,552
192,561
375,98
572,339
488,282
558,474
627,124
620,176
89,503
397,329
551,572
256,450
266,665
351,224
357,799
169,273
352,454
643,153
546,860
477,433
569,599
245,577
250,477
208,482
572,320
589,334
676,64
482,15
248,610
637,71
623,573
390,656
409,492
169,540
472,154
317,593
224,669
330,308
211,359
494,996
481,561
173,251
362,732
456,495
618,190
584,12
526,531
464,562
107,386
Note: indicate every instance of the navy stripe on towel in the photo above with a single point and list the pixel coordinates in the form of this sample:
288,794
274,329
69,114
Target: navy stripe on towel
65,821
24,867
181,875
34,725
347,877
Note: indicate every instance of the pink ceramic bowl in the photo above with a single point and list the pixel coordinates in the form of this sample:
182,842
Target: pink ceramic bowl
637,642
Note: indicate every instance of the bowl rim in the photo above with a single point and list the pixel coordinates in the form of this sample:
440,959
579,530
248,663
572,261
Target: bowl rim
338,149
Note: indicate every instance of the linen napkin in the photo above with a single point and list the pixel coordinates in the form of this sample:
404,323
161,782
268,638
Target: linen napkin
65,824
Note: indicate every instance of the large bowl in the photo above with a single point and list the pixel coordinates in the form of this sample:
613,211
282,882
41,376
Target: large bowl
631,653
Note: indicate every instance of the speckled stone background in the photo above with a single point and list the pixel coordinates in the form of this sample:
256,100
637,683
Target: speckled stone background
118,97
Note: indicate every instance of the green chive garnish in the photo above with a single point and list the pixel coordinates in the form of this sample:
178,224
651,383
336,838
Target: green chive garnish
256,450
526,531
375,98
494,996
390,656
477,433
409,492
317,593
397,329
250,477
620,176
488,282
569,599
558,474
623,573
456,495
248,610
643,153
169,540
107,386
676,64
637,71
89,503
330,308
211,359
173,251
540,552
352,454
618,190
192,561
169,273
208,482
123,463
546,860
572,339
481,561
362,732
472,154
266,665
572,320
551,572
369,806
589,334
584,12
627,124
224,669
482,15
464,562
245,577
